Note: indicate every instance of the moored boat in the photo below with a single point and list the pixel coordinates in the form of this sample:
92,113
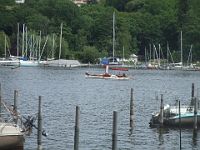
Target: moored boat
107,75
10,135
171,116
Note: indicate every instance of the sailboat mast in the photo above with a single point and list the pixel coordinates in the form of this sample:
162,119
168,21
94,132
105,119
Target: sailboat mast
181,50
17,40
40,39
123,54
26,48
167,53
52,54
5,47
113,35
23,40
60,40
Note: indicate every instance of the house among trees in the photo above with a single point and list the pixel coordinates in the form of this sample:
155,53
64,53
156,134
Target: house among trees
81,2
20,1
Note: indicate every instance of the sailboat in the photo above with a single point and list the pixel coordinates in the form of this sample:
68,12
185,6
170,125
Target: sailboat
112,60
62,62
24,60
8,60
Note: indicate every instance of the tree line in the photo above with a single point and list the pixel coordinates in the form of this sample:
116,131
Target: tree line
88,29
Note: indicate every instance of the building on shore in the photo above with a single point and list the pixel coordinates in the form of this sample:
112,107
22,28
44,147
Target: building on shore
19,1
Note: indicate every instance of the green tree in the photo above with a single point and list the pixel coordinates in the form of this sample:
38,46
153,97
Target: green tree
89,54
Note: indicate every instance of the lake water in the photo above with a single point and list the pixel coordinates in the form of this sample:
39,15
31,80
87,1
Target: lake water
62,90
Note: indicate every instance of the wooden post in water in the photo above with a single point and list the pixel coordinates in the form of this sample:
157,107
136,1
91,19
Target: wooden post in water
192,95
192,90
161,111
0,100
114,133
39,136
76,132
195,114
15,104
179,104
131,110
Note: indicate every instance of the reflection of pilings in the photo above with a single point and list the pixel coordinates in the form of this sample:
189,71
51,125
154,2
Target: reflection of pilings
195,113
131,110
114,134
76,134
161,111
39,136
15,104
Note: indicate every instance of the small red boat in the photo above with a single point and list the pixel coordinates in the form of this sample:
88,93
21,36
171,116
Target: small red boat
106,75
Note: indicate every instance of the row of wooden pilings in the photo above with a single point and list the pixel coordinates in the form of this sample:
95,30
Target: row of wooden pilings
114,125
77,123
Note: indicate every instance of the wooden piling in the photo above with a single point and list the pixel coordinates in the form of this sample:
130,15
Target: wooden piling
161,111
39,136
114,133
179,108
131,110
0,100
15,105
76,132
195,114
192,90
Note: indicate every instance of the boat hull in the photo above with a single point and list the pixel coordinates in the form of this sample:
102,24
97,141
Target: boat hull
28,63
11,141
9,63
185,121
106,76
10,135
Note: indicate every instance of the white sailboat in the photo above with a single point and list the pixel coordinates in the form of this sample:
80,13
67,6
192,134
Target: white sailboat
8,60
62,62
113,60
24,61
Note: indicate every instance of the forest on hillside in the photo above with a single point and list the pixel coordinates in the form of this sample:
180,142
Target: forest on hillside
88,30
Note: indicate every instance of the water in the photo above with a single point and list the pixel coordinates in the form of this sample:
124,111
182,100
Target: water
63,90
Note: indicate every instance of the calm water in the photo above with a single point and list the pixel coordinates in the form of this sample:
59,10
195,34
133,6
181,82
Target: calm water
62,90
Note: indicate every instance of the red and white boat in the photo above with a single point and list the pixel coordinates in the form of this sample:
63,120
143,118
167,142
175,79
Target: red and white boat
107,75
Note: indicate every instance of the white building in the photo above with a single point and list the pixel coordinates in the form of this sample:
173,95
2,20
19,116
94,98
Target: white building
80,2
20,1
133,58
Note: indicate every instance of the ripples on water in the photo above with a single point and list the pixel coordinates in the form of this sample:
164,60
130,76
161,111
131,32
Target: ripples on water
62,90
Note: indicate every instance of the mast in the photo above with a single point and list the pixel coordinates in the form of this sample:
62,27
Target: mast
167,53
17,40
5,47
26,32
181,50
113,35
145,55
60,41
40,39
123,53
150,53
23,41
52,54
